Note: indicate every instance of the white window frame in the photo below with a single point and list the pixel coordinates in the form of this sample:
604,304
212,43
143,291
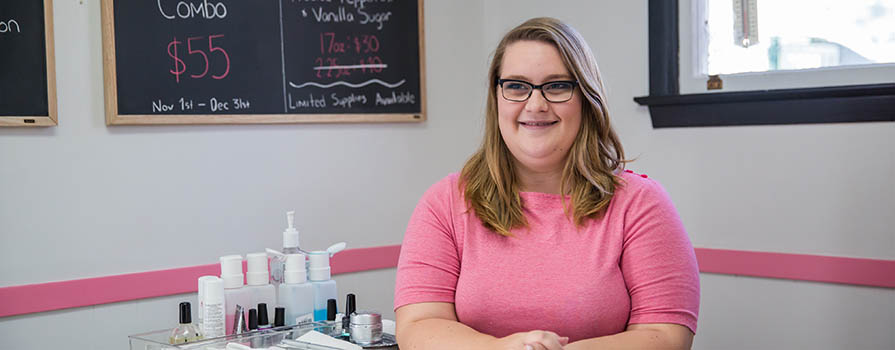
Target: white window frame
693,41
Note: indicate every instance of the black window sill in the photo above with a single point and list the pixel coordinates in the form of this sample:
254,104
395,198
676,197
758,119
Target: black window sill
835,104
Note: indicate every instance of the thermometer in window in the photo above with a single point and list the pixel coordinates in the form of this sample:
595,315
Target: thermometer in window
745,22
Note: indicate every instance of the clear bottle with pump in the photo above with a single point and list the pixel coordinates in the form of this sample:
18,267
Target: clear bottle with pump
290,246
186,331
234,292
212,309
258,286
295,293
324,286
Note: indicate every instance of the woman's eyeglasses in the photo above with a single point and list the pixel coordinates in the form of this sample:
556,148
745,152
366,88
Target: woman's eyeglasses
553,91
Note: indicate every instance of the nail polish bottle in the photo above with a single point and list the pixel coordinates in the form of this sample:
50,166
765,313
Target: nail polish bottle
253,320
335,326
279,318
186,331
350,307
256,340
263,320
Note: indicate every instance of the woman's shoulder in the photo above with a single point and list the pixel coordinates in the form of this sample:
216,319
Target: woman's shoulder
448,182
634,184
641,197
446,188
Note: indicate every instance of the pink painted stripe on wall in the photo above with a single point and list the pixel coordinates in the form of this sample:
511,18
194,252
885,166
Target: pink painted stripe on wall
33,298
41,297
816,268
363,259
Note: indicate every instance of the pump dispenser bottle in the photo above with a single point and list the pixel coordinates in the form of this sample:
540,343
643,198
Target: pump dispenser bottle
259,287
234,292
324,286
290,246
186,331
296,294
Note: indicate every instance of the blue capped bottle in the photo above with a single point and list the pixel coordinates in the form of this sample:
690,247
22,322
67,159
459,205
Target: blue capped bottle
321,280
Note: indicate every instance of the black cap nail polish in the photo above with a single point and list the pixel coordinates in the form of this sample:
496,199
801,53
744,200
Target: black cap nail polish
263,320
185,315
331,310
253,319
279,317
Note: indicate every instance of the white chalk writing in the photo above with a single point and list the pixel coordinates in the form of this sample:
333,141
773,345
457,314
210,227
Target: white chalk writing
10,26
395,98
310,102
335,17
347,101
186,10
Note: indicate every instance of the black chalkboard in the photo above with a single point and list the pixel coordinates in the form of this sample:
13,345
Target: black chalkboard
26,84
263,61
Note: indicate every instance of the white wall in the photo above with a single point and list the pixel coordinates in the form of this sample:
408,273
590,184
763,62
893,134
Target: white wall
82,199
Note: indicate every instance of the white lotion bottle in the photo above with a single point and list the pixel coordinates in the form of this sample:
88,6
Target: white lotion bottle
295,293
212,311
234,292
324,286
201,298
258,279
290,246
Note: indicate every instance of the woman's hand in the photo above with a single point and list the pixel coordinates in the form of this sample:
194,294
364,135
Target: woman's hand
533,340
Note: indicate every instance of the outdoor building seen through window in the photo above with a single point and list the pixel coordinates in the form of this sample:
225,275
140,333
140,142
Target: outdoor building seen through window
774,35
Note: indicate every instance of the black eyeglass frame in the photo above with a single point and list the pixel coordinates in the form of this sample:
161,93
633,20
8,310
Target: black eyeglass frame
538,87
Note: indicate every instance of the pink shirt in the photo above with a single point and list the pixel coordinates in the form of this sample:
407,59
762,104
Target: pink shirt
634,265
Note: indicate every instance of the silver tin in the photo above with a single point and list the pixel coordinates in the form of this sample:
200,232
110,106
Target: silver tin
366,327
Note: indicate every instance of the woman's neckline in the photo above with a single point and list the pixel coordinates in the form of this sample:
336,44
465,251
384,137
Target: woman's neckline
541,194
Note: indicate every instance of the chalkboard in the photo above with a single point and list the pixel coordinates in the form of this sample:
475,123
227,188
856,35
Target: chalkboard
27,65
263,61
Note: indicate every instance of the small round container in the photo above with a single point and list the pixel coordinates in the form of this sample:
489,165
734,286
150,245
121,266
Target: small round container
366,327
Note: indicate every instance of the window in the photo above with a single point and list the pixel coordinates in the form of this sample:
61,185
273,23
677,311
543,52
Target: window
796,34
787,44
797,64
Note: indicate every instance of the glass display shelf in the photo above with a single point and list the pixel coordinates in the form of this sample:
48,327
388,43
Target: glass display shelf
283,337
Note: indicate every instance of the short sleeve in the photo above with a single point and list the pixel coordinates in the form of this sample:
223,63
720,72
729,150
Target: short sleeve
658,261
429,264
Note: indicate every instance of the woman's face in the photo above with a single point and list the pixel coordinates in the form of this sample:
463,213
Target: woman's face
538,133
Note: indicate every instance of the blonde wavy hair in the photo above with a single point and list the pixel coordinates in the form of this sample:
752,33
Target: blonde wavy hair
488,179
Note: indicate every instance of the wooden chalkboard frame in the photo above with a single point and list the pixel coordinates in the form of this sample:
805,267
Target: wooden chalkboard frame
42,120
111,93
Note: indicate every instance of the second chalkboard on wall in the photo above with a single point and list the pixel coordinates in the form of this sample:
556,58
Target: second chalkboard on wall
27,63
263,61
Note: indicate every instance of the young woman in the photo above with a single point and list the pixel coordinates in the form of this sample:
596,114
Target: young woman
544,241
